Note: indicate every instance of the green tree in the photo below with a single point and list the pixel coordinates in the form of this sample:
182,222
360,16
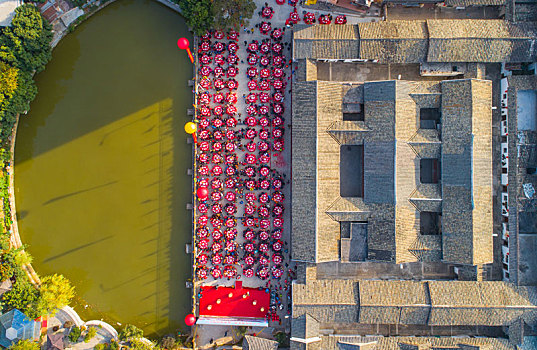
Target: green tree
8,82
20,102
130,332
92,332
56,292
231,14
22,296
27,39
22,257
25,344
199,14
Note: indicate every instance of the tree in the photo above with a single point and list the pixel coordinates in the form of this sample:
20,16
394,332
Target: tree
22,257
8,82
27,39
22,296
130,332
231,14
25,344
198,14
55,292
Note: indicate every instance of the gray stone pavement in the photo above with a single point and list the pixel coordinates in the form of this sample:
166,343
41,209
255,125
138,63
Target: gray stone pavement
104,333
281,163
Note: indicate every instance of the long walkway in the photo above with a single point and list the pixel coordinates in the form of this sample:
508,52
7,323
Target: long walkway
247,181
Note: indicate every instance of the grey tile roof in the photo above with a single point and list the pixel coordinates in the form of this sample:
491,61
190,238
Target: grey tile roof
257,343
427,248
304,327
329,102
418,343
393,302
325,41
467,171
325,49
392,199
393,41
379,179
492,303
348,132
326,300
349,209
304,149
435,303
480,41
427,197
426,143
466,3
465,40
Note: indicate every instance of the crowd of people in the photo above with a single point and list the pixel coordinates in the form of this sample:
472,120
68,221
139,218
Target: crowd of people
234,160
240,183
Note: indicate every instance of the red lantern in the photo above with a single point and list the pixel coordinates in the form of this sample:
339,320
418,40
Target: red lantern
202,193
190,320
184,44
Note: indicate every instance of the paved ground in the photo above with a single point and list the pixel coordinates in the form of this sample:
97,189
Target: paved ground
366,71
7,11
281,163
103,335
356,15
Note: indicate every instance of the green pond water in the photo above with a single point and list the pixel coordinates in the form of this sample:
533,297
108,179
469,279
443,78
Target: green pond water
101,167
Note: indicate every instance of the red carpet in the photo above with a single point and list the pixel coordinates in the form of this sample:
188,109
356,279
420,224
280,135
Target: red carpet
236,305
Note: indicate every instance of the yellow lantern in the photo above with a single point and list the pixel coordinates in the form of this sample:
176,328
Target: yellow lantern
190,127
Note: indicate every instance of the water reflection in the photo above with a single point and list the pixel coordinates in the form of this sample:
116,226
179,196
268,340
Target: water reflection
101,167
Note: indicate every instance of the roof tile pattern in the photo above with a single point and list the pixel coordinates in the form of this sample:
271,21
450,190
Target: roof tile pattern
435,303
442,40
393,41
480,41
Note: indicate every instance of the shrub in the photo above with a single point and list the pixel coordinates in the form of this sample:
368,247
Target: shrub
139,344
92,332
282,339
168,343
56,292
74,334
24,345
22,296
130,332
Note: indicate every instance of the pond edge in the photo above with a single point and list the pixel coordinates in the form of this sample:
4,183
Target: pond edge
14,238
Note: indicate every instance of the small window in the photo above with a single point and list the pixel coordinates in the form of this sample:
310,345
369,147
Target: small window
531,171
355,115
429,170
430,223
429,118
